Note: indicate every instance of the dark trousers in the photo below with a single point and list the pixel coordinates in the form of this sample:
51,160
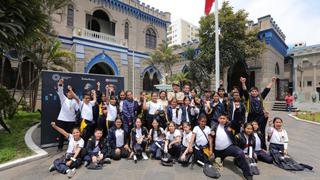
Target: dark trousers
61,166
155,150
87,131
264,156
128,124
123,153
67,126
200,155
174,151
237,153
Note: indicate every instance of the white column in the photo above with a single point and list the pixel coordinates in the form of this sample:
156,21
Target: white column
295,79
314,78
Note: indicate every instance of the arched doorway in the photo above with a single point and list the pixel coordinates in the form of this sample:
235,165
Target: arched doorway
101,68
239,69
102,64
151,76
8,78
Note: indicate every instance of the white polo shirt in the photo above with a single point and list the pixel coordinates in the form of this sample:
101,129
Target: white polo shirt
201,137
86,111
68,107
222,140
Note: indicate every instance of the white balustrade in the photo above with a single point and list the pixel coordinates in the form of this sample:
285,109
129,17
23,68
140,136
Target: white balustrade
98,36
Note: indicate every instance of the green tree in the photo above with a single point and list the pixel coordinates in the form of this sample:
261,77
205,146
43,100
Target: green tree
180,77
237,43
164,57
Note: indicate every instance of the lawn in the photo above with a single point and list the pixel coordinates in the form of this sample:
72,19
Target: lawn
12,146
308,116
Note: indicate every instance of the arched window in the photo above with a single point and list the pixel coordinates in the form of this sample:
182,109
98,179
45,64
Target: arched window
70,15
126,30
277,69
151,39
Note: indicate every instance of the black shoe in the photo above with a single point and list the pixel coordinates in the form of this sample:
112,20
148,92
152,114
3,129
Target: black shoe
107,161
52,168
248,177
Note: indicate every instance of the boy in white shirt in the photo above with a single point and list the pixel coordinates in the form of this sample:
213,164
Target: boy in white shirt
223,138
69,107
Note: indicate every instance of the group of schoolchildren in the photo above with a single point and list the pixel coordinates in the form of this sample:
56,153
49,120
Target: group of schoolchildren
174,127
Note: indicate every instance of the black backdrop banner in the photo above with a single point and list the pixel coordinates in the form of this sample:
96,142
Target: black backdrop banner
50,102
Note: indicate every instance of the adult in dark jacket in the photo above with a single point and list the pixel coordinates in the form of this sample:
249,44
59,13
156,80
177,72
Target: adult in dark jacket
118,141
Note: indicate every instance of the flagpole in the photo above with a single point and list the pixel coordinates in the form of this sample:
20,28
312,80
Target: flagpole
217,58
133,67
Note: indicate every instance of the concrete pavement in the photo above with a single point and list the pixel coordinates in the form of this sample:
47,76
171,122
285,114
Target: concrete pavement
304,146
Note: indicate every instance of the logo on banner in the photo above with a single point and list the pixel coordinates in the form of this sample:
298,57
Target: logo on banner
55,77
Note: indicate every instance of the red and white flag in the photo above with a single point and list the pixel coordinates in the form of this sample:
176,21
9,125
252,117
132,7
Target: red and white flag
208,6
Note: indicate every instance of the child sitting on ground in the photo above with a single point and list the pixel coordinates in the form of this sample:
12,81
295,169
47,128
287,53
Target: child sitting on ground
68,163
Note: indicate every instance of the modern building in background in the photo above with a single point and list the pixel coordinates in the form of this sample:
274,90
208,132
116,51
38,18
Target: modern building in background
182,32
303,69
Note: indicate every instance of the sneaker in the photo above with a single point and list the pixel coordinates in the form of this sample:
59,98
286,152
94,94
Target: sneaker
135,158
71,172
52,168
144,156
107,161
85,163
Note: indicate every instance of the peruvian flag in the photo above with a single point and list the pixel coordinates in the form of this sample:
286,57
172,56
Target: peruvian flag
208,6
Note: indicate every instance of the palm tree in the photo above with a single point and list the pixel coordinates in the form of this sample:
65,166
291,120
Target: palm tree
48,55
180,77
164,57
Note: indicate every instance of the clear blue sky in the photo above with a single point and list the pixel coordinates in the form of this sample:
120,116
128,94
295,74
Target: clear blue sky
298,19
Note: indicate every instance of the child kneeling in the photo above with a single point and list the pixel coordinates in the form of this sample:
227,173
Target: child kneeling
68,163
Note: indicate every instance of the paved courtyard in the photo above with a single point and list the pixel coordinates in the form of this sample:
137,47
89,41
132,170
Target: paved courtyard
304,146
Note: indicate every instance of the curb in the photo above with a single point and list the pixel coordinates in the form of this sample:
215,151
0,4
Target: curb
298,119
39,153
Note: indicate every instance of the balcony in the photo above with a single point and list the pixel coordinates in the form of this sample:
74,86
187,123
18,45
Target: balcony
99,37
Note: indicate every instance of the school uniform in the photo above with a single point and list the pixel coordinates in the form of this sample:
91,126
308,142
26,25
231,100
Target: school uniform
278,140
261,148
224,146
67,115
189,114
179,96
129,113
102,124
157,136
214,113
255,108
135,134
152,108
86,126
60,163
95,148
201,143
175,115
111,115
186,138
174,151
237,116
244,142
118,138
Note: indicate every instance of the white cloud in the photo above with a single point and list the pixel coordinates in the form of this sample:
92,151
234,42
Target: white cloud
298,19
